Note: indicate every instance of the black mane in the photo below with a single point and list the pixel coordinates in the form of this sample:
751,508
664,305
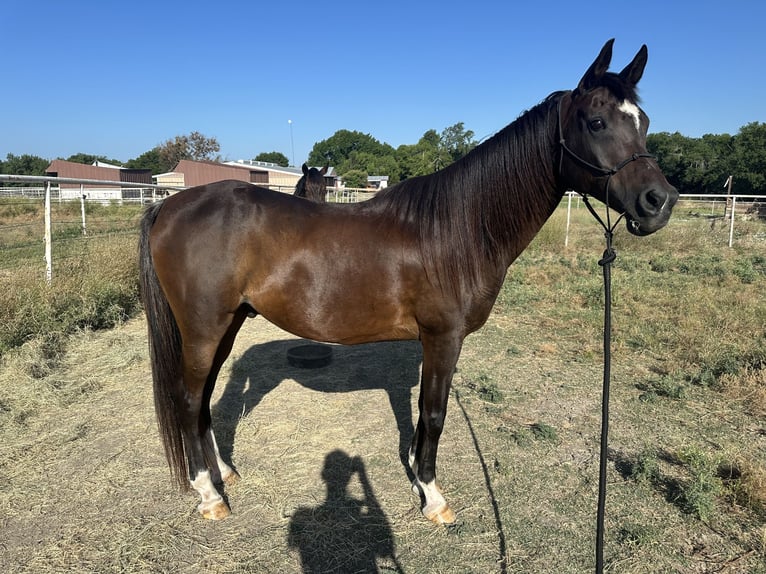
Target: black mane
485,200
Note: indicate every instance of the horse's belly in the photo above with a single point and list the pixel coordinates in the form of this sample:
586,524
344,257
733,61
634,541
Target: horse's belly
339,317
344,322
354,296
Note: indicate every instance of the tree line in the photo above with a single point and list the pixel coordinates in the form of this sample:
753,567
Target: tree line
694,165
703,165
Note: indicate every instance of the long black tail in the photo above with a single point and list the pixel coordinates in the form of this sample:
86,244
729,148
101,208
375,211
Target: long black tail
164,351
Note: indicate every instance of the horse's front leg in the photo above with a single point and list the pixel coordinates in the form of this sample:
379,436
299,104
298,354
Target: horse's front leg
221,472
440,356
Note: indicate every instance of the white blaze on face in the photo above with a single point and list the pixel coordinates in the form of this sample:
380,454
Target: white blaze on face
632,110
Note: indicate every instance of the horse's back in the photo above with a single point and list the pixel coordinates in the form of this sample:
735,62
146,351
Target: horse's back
209,199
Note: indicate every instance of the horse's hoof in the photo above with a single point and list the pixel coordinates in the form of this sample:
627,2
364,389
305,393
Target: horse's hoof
231,479
216,511
442,515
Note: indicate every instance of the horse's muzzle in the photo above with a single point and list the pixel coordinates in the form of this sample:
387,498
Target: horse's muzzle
653,210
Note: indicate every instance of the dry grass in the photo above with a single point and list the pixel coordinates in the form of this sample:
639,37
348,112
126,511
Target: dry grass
94,286
86,487
87,481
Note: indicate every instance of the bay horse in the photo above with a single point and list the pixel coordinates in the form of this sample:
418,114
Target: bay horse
312,185
424,259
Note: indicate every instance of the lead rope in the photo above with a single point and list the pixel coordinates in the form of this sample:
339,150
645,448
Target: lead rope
606,264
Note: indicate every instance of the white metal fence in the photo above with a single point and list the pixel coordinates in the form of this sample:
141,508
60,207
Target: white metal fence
48,184
85,191
725,208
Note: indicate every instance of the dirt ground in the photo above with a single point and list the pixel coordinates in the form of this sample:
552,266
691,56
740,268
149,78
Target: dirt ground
84,486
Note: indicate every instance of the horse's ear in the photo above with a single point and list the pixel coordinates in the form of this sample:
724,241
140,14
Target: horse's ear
305,169
323,170
633,71
597,69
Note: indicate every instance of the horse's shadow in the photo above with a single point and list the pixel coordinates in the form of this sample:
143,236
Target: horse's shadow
390,366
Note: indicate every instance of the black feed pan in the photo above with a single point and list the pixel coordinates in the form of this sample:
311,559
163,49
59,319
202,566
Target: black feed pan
310,356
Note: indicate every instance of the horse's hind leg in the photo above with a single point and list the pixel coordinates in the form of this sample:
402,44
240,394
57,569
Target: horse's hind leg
203,356
193,428
440,356
221,472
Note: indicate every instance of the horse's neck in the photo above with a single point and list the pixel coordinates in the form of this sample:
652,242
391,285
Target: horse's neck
521,201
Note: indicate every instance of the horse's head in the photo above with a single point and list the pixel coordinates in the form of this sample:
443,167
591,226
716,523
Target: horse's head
312,185
602,134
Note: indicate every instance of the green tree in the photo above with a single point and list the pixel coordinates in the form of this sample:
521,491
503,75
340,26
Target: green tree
89,159
348,150
24,165
355,178
426,156
457,141
371,163
693,165
273,157
699,165
385,165
149,160
720,151
670,155
194,146
749,159
336,150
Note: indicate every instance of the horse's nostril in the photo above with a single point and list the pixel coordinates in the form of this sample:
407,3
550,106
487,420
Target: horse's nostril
653,200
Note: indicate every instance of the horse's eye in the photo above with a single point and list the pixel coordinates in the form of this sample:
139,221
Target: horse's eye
597,124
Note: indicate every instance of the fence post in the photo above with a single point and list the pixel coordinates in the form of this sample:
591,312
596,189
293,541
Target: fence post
82,208
569,213
731,226
47,237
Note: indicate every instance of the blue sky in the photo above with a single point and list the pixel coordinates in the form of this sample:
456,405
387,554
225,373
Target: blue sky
116,79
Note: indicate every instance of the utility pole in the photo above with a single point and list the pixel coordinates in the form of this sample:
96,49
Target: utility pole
292,143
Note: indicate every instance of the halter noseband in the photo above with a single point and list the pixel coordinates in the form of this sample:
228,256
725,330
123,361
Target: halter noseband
608,173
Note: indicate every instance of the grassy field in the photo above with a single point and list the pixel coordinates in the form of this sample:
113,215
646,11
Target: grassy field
86,488
94,276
